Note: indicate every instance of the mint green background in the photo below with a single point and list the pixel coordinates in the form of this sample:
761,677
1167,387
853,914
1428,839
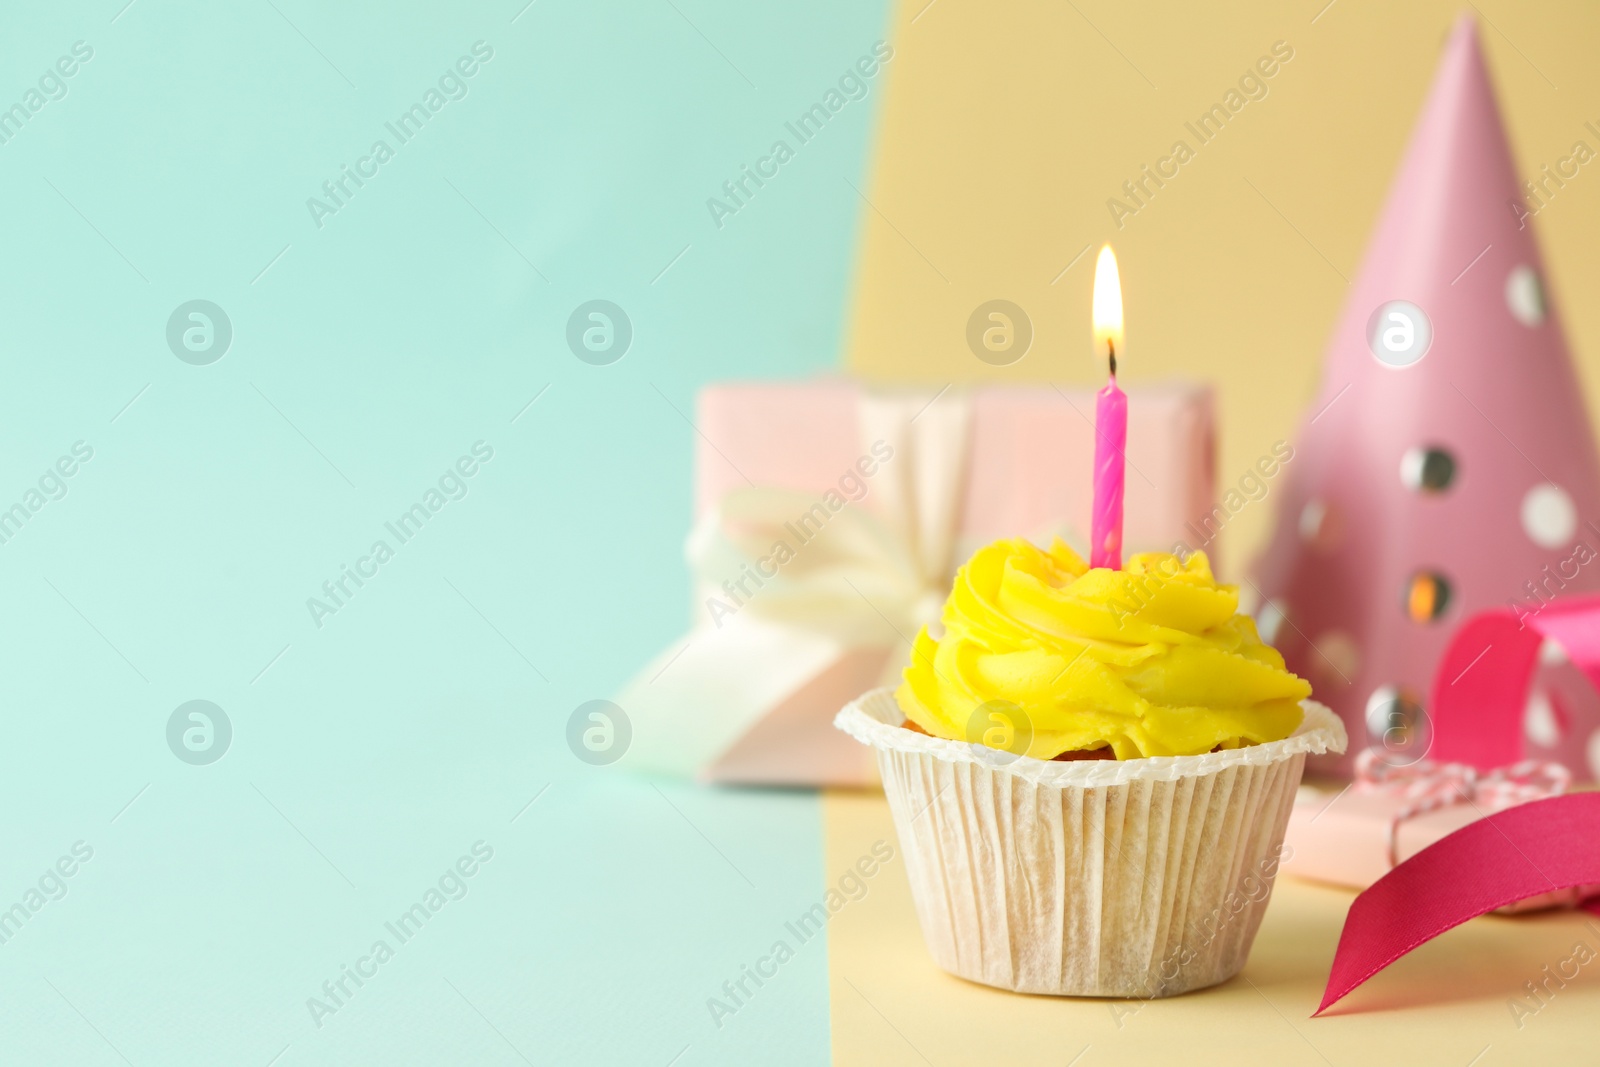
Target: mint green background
405,329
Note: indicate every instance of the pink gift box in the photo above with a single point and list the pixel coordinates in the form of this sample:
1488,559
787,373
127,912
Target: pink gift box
1009,460
1030,461
1342,838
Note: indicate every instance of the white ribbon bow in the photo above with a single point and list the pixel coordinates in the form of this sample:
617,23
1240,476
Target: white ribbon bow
867,575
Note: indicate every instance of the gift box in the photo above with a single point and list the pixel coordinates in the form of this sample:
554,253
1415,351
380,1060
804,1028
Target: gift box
1355,835
829,520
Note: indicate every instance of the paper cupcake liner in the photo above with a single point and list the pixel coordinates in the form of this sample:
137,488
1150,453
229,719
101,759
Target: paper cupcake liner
1112,878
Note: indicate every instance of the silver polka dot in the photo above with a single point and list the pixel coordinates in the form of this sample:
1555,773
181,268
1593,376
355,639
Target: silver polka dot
1429,469
1427,596
1396,725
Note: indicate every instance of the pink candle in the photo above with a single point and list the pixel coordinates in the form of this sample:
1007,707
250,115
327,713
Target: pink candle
1111,440
1110,420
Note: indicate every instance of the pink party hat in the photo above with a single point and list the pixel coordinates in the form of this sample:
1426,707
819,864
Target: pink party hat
1447,464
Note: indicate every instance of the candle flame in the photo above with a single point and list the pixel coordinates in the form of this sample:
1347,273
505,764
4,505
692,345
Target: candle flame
1107,306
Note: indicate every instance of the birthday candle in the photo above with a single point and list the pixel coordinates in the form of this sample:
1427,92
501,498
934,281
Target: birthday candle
1110,419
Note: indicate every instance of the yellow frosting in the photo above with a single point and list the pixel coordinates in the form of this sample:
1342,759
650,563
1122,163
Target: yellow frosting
1152,660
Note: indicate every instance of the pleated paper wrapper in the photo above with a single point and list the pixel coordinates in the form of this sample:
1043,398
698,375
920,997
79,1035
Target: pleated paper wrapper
1108,878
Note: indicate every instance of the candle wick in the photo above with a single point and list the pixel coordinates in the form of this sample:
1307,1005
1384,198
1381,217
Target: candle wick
1111,346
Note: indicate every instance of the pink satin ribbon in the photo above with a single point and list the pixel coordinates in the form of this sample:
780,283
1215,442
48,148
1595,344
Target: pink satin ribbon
1528,849
1539,847
1481,686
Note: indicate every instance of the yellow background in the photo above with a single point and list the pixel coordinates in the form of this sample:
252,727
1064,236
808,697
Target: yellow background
1006,127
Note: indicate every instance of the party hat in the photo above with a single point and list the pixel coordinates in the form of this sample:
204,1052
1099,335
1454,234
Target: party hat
1447,463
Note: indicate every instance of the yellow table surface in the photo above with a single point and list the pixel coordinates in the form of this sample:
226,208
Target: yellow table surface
1448,1002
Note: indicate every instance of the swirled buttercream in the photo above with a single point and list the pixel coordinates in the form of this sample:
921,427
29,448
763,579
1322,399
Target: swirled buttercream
1150,660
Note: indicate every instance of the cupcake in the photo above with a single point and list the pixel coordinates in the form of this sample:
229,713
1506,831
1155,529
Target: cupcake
1090,772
